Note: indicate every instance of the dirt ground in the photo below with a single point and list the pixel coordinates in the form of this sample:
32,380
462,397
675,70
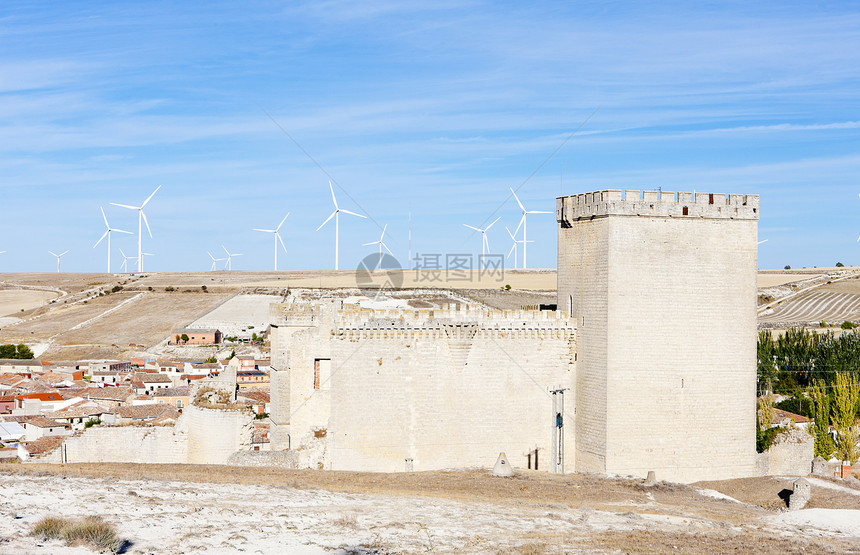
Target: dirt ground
189,508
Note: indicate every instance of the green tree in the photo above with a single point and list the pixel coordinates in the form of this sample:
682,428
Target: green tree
840,265
184,338
820,429
846,394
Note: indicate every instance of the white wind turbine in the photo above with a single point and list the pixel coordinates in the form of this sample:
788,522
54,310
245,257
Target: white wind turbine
124,266
336,217
141,219
58,259
485,245
277,234
516,242
381,244
229,264
107,234
215,261
523,221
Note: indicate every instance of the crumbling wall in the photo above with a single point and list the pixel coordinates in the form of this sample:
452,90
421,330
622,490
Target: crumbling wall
125,444
215,434
790,454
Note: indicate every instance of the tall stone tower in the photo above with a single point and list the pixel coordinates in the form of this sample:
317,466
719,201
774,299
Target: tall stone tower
663,290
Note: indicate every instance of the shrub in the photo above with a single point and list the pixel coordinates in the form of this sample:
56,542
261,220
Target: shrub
203,287
92,422
116,288
787,267
169,288
840,265
91,531
846,325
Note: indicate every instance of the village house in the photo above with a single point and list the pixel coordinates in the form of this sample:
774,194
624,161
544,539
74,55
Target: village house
110,366
11,433
145,383
7,403
140,414
37,426
178,397
195,336
252,378
257,399
27,366
35,403
76,416
112,378
110,397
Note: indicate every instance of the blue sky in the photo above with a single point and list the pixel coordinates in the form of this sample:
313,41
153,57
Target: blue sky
438,108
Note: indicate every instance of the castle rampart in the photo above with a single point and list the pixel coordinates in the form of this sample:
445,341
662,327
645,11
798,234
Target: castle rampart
614,202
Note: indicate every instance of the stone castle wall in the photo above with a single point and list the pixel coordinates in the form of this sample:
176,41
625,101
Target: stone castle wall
447,390
665,307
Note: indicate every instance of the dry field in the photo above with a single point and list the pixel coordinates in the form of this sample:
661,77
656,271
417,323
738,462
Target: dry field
186,508
833,302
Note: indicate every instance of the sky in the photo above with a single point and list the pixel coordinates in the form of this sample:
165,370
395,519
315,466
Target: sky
243,111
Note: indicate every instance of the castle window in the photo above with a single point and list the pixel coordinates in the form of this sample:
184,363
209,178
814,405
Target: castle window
711,198
322,371
686,211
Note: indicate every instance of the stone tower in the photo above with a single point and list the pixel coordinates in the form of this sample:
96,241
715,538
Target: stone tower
663,290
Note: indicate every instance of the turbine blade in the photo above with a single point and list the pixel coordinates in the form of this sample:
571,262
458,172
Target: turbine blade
510,252
353,213
264,230
150,196
523,208
511,234
121,231
368,244
107,225
386,248
475,228
334,200
64,252
100,239
278,235
326,220
126,206
282,222
55,254
207,252
225,250
538,212
492,224
519,225
143,215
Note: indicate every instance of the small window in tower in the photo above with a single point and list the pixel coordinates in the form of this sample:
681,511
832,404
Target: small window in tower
686,211
711,198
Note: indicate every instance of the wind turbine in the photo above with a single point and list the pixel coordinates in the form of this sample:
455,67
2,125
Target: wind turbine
141,219
124,266
485,245
58,259
107,234
381,245
229,265
516,242
523,221
766,240
215,261
336,216
277,238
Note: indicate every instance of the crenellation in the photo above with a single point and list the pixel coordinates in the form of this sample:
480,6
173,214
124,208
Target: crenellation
655,203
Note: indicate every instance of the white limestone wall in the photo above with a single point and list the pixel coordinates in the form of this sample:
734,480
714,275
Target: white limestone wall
124,444
666,336
213,435
397,398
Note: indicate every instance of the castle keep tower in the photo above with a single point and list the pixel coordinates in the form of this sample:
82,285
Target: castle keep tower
662,289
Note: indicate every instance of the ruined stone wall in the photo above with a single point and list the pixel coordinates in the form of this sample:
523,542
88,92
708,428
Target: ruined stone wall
214,435
790,454
663,292
123,444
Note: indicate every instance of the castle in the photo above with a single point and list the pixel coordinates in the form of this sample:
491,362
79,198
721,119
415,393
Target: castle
652,349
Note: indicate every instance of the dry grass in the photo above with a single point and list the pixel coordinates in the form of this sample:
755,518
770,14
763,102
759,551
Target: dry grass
91,531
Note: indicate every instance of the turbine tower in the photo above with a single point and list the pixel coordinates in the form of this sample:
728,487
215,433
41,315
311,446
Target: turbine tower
516,242
277,238
141,219
485,245
229,265
215,261
381,245
523,221
124,266
336,216
58,259
107,234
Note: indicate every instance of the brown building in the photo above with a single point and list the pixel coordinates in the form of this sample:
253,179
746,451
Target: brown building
195,337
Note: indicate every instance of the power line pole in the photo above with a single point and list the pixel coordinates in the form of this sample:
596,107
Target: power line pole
558,430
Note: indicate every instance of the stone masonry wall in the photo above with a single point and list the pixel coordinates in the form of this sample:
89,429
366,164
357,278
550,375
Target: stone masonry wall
123,444
665,307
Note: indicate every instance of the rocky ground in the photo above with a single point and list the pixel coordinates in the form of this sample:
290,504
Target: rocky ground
191,509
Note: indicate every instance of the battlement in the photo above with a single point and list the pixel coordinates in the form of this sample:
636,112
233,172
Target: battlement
353,316
615,202
294,314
